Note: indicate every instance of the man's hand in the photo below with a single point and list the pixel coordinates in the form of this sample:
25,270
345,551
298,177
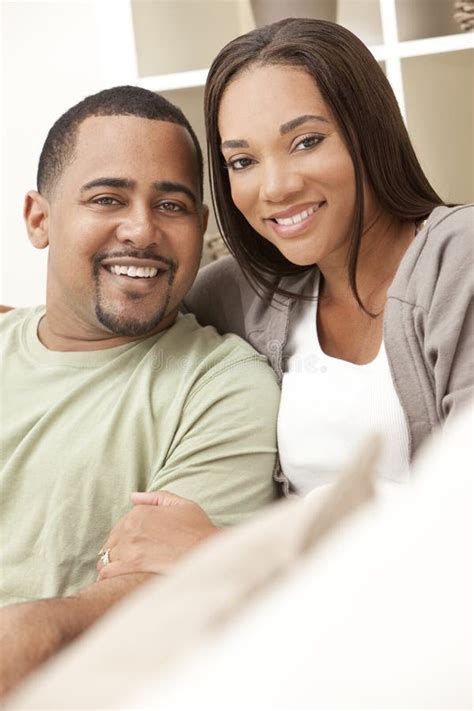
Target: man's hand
31,632
159,530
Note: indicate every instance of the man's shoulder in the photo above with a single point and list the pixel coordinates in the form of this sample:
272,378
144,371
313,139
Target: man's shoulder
14,318
193,358
203,343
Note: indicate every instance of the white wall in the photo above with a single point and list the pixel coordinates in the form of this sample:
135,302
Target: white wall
54,54
50,62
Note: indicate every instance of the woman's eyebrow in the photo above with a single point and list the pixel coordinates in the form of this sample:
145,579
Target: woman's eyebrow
284,128
235,143
299,120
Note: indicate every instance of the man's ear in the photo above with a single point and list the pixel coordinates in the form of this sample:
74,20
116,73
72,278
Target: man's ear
36,214
205,217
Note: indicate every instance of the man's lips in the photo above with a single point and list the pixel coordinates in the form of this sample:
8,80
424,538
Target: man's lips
134,268
295,220
137,268
135,262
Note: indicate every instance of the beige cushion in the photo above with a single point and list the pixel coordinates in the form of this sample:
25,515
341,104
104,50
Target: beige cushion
141,638
324,604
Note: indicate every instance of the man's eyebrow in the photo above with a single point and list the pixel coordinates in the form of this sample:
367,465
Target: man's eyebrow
168,186
108,183
299,121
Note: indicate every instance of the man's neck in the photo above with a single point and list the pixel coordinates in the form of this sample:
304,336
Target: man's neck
73,335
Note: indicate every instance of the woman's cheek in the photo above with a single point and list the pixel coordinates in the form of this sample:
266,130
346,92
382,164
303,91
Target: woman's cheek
245,199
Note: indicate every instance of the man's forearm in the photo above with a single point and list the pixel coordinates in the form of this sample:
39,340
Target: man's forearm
31,632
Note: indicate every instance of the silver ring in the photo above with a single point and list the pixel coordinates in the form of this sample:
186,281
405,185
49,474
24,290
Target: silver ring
104,557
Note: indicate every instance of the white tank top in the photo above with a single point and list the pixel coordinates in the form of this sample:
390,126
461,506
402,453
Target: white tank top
329,406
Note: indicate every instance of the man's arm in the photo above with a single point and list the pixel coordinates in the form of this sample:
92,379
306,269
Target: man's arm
223,453
32,632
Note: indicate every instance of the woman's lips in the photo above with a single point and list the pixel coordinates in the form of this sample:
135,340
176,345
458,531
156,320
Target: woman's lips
295,221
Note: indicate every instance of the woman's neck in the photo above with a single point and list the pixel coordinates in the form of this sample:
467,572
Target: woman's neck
383,245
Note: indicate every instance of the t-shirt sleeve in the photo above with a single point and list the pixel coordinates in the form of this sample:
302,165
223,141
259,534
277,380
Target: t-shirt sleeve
223,453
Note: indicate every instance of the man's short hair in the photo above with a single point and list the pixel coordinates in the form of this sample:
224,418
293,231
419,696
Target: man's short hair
58,149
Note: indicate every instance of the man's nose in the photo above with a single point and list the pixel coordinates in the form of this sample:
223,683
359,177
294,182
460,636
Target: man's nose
139,228
280,182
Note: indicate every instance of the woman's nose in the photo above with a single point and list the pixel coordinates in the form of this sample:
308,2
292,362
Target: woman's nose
280,183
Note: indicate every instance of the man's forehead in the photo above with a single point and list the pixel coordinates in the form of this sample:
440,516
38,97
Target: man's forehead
128,145
134,128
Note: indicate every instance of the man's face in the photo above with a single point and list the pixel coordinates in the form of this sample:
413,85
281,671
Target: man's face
125,228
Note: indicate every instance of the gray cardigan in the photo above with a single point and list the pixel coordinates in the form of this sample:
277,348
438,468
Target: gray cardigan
428,319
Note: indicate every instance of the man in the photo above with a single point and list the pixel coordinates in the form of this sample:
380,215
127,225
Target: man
107,390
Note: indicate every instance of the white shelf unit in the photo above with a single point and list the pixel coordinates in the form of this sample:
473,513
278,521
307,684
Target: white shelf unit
390,54
167,46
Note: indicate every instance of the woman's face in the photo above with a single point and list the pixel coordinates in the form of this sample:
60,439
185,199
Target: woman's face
290,173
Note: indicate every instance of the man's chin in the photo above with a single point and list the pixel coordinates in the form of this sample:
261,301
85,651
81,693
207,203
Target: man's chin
133,326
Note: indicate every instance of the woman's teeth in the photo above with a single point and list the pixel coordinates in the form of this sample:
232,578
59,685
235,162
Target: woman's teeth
294,219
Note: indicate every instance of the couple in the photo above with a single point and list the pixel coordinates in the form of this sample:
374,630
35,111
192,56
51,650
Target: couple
349,274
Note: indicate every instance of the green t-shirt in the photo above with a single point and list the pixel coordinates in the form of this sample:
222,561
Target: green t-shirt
187,410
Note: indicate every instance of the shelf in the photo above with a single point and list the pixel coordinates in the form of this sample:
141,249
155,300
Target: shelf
175,36
440,119
412,48
435,45
178,80
420,19
362,17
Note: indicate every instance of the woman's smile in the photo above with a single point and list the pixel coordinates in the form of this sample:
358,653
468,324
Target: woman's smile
295,221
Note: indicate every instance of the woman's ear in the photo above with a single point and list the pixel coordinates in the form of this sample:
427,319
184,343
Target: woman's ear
36,214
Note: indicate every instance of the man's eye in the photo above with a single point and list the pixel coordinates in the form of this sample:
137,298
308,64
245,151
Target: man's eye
105,200
168,206
239,163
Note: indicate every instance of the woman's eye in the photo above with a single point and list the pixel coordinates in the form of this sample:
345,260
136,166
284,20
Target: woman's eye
239,163
308,142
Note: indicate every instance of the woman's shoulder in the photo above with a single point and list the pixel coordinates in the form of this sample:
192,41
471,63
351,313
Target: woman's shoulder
451,223
219,272
440,254
221,296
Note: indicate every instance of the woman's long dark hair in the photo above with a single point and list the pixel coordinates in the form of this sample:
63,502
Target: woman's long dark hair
363,104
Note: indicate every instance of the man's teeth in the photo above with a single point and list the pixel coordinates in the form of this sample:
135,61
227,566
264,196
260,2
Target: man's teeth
133,271
296,218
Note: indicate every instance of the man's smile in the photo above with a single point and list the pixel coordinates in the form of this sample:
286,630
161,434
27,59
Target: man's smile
132,271
138,269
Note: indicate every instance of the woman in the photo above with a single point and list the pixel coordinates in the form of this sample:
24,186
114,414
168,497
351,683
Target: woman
349,272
